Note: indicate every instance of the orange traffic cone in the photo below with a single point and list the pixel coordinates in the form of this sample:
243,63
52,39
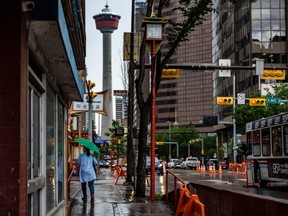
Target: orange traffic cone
203,168
213,169
210,168
220,170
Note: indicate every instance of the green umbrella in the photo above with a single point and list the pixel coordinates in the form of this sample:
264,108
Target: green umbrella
88,144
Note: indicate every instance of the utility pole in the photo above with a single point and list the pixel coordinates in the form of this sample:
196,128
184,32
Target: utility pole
91,95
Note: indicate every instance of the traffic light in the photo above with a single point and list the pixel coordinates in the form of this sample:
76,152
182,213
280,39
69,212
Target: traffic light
225,100
257,102
91,84
119,131
159,143
91,95
170,73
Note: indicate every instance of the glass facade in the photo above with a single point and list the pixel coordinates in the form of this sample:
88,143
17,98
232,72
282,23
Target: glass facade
51,149
242,32
55,138
34,161
268,24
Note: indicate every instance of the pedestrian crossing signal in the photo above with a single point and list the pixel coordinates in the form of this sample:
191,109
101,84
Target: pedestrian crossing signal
225,100
257,102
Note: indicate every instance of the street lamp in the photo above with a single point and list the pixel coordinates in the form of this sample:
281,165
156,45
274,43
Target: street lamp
169,139
153,27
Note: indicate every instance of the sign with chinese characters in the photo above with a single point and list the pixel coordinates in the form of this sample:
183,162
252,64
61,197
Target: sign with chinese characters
98,104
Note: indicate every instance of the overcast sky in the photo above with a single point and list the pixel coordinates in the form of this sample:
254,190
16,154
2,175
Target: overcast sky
94,41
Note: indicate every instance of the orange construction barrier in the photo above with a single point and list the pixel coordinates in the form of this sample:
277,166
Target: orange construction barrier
122,173
116,171
183,200
194,207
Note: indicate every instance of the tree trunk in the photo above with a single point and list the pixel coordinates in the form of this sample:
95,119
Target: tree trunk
141,162
130,146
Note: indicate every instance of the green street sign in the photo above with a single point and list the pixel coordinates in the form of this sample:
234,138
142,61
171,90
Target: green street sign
273,100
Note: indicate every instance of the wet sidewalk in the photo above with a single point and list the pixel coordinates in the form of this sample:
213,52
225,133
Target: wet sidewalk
116,200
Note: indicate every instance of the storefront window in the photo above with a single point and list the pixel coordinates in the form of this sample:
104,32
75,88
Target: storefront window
60,152
50,146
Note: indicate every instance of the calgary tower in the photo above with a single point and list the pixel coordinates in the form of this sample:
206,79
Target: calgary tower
107,22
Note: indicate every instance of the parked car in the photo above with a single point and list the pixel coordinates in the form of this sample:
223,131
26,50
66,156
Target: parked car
191,163
171,163
224,164
212,162
177,164
148,165
105,163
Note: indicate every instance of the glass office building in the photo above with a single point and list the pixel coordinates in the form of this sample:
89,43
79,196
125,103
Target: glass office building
242,32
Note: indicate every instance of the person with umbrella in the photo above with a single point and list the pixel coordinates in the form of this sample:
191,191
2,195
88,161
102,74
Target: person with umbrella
87,172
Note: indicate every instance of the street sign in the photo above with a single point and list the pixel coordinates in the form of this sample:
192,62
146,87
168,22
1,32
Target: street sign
120,92
241,98
273,100
224,62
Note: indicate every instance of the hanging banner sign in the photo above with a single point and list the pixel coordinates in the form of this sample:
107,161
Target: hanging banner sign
98,104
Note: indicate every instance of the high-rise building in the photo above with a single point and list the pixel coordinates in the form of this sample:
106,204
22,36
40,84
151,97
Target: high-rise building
187,99
243,32
121,107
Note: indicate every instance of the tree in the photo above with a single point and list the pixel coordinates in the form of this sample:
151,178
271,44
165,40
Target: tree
117,144
182,135
245,113
193,14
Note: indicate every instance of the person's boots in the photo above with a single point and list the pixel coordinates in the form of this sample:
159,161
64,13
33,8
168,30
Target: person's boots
92,197
84,198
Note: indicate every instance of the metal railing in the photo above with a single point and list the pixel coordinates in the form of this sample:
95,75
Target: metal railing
176,180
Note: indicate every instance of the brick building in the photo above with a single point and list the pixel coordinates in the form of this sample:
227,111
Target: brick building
43,68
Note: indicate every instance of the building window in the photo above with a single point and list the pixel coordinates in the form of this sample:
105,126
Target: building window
55,139
50,148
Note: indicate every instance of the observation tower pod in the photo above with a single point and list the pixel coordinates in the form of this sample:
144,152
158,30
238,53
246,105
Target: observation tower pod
107,21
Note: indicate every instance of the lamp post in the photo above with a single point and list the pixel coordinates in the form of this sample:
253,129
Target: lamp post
169,138
153,27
